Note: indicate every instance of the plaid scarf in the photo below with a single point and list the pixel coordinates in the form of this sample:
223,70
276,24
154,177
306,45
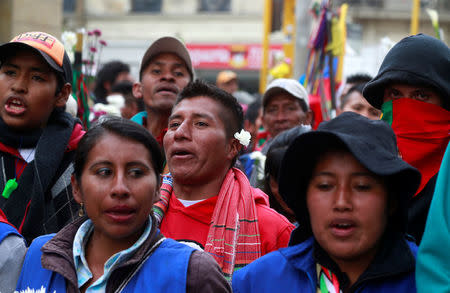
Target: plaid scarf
233,238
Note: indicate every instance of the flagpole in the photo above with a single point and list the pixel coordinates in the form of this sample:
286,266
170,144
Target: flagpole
415,17
265,45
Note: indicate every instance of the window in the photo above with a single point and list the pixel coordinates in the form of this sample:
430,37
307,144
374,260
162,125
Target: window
147,5
69,5
215,5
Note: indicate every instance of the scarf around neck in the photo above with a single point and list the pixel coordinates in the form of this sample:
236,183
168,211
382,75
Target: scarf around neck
16,139
423,132
233,237
26,208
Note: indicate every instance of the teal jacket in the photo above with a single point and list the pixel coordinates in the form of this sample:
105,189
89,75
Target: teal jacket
433,260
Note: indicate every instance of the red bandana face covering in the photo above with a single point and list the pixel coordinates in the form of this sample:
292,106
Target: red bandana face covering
423,132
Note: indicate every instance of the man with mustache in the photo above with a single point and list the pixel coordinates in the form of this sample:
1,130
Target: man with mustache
166,69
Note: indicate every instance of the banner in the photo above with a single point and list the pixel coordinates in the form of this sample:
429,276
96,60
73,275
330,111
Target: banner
225,56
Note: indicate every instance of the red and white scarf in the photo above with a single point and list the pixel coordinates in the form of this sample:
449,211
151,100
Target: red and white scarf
233,238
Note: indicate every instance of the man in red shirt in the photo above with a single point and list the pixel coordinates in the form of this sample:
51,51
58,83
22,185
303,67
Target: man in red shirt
205,201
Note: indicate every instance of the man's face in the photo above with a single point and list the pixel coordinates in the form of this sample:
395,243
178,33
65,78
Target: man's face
196,144
27,91
356,103
163,79
420,93
283,112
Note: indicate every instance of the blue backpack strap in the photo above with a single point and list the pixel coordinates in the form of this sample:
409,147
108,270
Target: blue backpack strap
33,275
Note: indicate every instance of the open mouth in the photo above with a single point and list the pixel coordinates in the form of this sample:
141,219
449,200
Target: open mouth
342,228
167,89
120,214
181,154
15,106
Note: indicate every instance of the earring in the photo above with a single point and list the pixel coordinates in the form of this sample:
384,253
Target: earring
81,210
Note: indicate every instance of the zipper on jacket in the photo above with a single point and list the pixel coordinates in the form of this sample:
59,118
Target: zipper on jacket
3,172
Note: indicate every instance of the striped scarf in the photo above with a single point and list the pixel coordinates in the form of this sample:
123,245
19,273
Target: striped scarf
327,281
233,237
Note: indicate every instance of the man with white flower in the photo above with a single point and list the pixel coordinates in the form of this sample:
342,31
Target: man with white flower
205,201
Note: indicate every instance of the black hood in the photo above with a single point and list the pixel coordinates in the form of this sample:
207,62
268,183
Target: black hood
415,60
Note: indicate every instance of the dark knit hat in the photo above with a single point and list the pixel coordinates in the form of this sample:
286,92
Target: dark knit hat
371,142
415,60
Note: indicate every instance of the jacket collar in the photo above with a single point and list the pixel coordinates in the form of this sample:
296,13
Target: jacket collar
393,258
58,252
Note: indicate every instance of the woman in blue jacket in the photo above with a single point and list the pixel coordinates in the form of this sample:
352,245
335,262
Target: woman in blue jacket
117,247
348,189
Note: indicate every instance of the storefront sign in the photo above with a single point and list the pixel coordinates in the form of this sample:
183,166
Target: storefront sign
222,56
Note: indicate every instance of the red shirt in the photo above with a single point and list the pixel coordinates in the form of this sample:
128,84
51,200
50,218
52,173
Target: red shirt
191,224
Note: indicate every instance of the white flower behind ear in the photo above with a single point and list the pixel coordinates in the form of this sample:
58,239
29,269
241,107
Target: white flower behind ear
243,137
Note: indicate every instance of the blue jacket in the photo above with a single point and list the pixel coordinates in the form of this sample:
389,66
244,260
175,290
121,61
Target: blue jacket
151,277
6,230
293,269
156,266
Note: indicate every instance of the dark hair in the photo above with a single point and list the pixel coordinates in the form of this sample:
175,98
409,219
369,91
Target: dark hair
108,73
356,88
125,88
120,127
252,112
271,170
232,115
358,78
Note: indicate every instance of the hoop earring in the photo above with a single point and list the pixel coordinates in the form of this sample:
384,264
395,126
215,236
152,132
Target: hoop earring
81,210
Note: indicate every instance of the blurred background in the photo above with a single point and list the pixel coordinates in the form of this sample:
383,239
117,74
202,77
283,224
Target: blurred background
226,34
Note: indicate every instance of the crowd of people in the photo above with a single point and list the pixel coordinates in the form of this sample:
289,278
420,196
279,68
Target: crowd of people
196,187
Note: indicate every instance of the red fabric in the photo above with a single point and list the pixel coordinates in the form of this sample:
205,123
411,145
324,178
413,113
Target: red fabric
188,223
160,137
8,149
75,138
20,163
192,223
423,133
261,138
315,102
3,218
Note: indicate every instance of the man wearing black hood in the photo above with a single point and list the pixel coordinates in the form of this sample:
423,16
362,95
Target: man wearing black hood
412,89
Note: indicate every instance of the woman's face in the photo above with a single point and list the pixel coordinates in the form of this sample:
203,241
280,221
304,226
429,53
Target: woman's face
117,188
347,205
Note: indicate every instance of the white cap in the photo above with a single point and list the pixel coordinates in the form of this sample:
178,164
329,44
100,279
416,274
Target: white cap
291,86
